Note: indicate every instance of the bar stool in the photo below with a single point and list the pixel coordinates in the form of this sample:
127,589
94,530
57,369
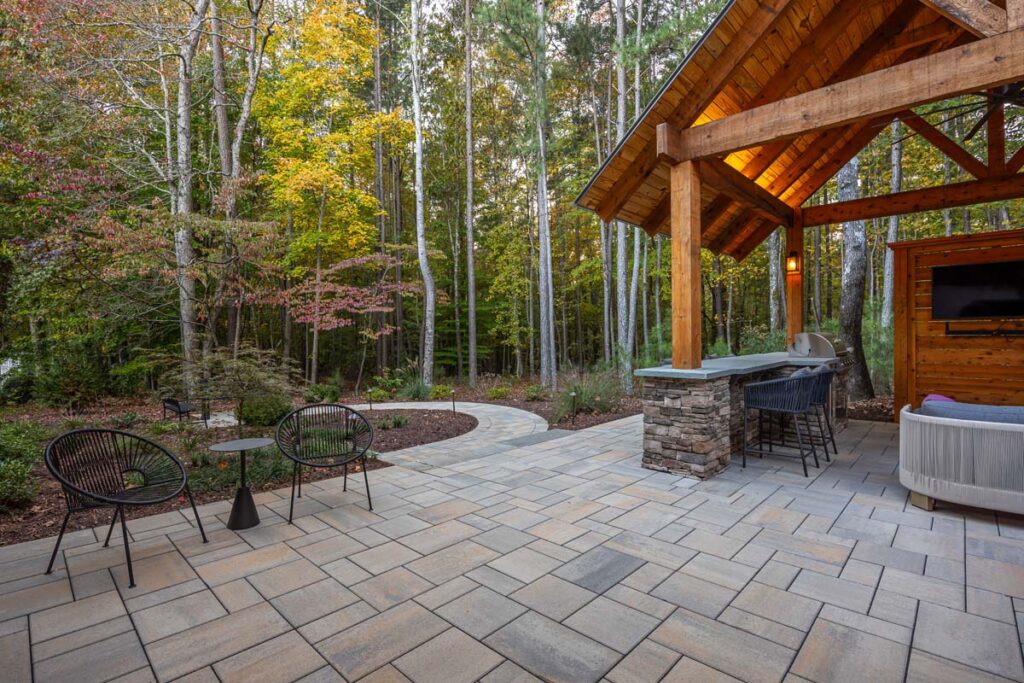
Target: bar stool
820,404
790,396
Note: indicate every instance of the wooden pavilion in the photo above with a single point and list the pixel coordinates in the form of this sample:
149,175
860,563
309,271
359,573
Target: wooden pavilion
775,98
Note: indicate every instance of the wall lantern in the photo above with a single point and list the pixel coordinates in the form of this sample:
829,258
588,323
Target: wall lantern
792,264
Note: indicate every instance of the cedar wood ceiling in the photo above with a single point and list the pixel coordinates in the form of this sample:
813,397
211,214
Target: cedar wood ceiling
756,52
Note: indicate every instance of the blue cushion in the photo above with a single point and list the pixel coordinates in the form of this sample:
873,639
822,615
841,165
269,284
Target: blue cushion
973,411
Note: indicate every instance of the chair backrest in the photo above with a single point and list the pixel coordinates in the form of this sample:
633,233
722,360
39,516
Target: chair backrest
820,394
324,434
787,395
173,404
95,464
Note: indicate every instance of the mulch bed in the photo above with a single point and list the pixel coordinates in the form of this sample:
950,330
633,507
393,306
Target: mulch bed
878,409
43,517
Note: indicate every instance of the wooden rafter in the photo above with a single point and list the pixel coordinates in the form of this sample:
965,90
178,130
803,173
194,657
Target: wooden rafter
723,68
1016,162
980,65
944,197
944,144
980,17
729,181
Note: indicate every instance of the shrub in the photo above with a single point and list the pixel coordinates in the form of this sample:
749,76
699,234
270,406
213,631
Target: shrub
597,393
377,395
130,379
322,393
759,339
264,410
17,386
441,392
126,420
536,392
387,383
384,425
262,466
398,421
71,379
499,392
719,349
17,485
415,390
21,441
162,427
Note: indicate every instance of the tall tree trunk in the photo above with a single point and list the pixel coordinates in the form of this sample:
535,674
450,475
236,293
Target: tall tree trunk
774,312
429,293
716,298
851,306
817,278
621,242
548,361
896,182
184,252
220,100
470,243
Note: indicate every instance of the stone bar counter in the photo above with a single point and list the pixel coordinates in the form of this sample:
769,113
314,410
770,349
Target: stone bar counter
693,419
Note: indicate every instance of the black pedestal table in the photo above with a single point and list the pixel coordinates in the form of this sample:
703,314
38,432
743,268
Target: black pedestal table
243,512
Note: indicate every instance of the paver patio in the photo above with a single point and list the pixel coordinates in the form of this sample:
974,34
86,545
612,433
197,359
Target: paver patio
503,557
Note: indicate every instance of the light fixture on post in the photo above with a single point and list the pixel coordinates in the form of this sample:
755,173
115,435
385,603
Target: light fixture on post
792,263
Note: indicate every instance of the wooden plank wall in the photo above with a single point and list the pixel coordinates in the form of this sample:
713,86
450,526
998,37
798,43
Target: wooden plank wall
982,368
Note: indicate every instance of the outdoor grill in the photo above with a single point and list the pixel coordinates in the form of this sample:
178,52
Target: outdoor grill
824,345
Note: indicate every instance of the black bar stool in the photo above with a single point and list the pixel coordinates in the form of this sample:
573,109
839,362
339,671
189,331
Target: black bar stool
790,396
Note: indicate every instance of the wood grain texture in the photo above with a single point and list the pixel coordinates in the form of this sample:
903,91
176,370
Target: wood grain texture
686,287
980,17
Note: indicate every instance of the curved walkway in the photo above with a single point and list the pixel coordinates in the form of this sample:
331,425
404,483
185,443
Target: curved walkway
496,424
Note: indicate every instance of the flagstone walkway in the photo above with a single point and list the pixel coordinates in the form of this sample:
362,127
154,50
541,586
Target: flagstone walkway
561,559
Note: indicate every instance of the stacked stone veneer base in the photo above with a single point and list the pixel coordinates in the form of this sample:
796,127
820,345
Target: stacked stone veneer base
694,426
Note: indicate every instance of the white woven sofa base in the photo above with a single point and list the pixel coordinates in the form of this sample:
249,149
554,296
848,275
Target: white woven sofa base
980,464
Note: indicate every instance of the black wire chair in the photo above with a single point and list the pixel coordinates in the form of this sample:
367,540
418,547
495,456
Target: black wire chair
790,396
100,468
324,435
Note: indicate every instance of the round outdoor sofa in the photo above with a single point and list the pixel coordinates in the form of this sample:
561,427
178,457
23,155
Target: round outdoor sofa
952,452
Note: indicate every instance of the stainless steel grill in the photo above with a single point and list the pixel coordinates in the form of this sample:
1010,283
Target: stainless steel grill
823,345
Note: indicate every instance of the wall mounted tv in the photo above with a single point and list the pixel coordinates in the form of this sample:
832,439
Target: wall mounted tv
978,291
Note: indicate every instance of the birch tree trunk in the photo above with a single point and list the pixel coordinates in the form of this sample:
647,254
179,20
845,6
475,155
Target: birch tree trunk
184,252
548,361
621,242
896,182
470,245
429,294
851,305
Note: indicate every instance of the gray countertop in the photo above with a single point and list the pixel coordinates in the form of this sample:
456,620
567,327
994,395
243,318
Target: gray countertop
713,368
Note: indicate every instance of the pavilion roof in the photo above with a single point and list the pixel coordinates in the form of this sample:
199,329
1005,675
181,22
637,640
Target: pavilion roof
757,52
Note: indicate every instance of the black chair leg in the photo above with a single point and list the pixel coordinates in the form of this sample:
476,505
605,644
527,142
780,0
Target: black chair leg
344,480
291,507
831,435
300,479
199,522
800,446
810,438
366,480
127,550
824,435
56,547
110,531
745,436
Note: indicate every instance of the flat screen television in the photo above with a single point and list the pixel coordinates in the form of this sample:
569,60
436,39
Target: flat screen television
978,291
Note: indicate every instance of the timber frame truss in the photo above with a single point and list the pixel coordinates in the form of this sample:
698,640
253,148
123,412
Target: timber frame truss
714,173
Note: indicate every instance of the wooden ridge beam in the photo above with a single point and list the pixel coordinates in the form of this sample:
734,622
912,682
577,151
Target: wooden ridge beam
980,65
707,88
729,181
980,17
944,197
944,144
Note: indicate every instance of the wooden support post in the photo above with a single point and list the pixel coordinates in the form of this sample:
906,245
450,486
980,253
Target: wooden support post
996,140
685,231
795,278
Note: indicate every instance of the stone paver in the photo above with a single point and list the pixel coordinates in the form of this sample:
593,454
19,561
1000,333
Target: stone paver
508,554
